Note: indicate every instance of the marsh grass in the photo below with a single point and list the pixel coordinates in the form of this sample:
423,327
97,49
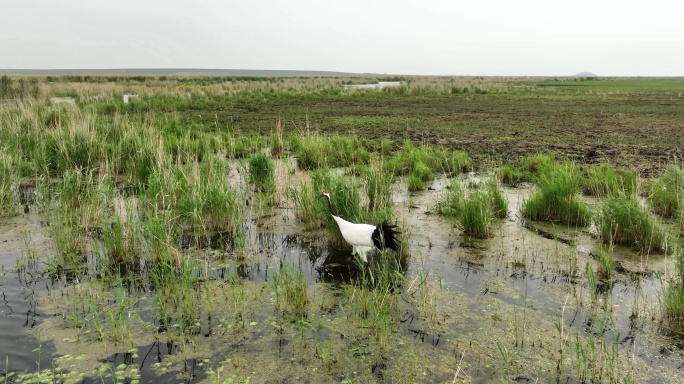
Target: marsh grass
666,193
76,147
378,186
538,164
178,293
261,173
311,209
70,241
424,161
158,236
315,151
305,201
420,174
6,180
451,203
603,180
498,201
476,214
606,264
176,169
557,197
597,358
277,144
243,146
205,200
509,175
673,305
75,189
289,287
345,199
673,294
459,162
371,301
122,237
622,220
474,209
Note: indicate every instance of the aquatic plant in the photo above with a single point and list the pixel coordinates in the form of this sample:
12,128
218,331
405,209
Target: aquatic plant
509,175
451,202
475,214
378,186
261,171
289,288
474,209
315,151
622,220
666,192
422,162
603,180
305,200
606,263
370,301
6,180
460,162
498,201
557,197
538,164
420,174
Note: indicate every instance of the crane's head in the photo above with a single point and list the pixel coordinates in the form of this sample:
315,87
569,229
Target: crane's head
326,194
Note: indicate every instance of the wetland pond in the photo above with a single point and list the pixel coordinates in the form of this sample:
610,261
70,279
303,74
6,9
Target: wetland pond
516,307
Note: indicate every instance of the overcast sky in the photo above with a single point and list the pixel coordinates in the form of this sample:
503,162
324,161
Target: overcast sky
445,37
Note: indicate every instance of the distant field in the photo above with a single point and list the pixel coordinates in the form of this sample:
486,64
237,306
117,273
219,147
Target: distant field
168,72
629,122
675,84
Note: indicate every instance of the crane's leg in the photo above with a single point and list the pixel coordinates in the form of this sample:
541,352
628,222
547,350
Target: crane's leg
362,253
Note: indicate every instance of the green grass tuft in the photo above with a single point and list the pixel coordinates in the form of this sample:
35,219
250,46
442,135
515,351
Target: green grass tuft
261,171
509,176
476,214
666,193
6,179
603,180
557,197
623,221
475,209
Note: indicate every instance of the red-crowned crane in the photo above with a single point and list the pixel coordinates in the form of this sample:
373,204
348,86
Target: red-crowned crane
363,237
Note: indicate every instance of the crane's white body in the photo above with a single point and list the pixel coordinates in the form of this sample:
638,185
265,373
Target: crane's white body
364,237
358,235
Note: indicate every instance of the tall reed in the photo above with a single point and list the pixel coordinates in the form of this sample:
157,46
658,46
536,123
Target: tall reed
6,180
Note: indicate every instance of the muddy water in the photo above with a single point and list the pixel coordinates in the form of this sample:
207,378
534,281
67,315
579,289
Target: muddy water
515,287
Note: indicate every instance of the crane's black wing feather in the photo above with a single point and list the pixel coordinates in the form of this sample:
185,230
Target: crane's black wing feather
385,236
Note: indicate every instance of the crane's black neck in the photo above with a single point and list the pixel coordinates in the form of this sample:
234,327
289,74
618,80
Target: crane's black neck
330,208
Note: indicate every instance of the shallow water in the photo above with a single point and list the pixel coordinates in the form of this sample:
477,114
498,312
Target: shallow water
19,312
378,85
480,288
